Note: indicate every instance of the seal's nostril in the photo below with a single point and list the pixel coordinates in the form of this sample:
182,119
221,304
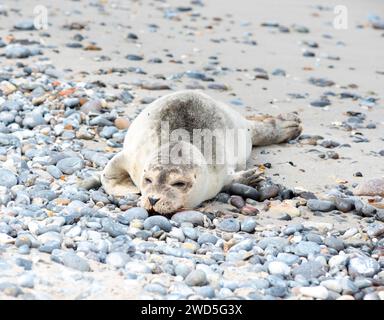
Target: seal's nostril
153,200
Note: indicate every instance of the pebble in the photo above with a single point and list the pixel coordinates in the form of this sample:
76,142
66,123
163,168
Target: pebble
305,248
17,52
318,292
309,270
248,225
159,221
70,165
70,259
334,243
320,205
207,238
196,278
121,123
374,187
244,191
194,217
117,259
229,225
344,205
279,268
182,270
131,214
363,266
7,178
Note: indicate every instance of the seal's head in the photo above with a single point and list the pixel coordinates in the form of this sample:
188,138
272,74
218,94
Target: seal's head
166,186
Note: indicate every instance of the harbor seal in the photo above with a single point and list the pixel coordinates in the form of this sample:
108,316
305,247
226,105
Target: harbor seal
185,147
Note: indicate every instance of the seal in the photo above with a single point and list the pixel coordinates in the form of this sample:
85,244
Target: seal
185,147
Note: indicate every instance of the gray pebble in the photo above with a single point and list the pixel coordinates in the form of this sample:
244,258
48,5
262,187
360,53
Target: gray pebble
194,217
70,259
305,248
207,238
248,225
117,259
334,243
196,278
320,205
70,165
309,270
363,266
229,225
160,221
132,213
7,178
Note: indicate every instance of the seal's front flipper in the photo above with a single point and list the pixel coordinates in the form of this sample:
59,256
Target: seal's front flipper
115,179
249,177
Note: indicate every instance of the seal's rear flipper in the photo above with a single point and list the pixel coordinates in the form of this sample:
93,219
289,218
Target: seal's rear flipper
116,180
272,130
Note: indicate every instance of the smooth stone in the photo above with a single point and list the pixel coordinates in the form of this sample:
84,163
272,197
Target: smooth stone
17,52
114,229
155,288
321,103
291,229
339,260
207,238
25,25
288,258
332,284
194,217
7,178
159,221
133,57
54,171
244,191
309,270
70,165
273,242
70,259
205,292
33,120
117,259
248,225
268,192
196,278
190,233
27,280
318,292
374,187
131,214
363,266
237,201
279,268
320,205
344,205
182,270
305,248
229,225
71,102
334,243
92,106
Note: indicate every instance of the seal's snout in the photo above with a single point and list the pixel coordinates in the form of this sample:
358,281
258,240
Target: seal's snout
153,200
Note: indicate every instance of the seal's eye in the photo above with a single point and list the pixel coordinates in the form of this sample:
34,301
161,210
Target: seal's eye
148,180
179,184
